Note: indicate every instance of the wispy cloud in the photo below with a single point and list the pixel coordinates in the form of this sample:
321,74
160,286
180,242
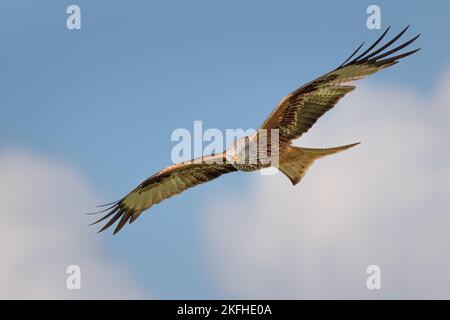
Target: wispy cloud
43,230
385,202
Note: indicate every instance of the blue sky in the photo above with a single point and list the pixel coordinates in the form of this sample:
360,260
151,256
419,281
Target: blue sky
105,99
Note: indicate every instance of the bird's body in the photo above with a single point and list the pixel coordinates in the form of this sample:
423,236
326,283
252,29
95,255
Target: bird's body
271,145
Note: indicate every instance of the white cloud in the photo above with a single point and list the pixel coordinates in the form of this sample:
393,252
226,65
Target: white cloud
384,202
44,230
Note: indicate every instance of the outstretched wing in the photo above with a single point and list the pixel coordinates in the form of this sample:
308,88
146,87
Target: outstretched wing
162,185
297,112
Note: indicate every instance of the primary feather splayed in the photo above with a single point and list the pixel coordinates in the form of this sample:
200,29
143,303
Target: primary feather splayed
294,115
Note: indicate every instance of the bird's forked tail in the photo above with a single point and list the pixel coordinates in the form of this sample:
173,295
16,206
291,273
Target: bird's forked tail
295,161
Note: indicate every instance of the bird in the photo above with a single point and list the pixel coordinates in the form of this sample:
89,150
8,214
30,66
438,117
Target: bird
294,115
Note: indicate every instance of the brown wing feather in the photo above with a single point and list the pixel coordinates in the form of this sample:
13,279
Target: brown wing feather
162,185
297,112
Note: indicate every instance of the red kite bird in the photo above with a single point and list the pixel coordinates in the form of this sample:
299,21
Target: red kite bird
294,115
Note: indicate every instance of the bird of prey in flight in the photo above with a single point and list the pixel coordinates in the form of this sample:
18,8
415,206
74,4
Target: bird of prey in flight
294,115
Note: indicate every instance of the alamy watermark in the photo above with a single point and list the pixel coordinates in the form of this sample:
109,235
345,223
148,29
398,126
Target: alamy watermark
73,21
73,281
259,147
373,281
374,19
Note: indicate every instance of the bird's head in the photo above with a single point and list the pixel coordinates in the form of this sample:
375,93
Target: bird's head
232,153
238,152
